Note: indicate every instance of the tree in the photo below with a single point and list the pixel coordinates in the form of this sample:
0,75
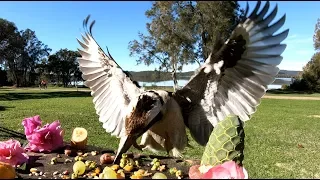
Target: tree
310,77
34,52
63,64
183,32
11,48
20,51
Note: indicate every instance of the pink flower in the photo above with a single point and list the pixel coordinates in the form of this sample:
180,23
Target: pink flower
46,139
30,124
12,153
227,170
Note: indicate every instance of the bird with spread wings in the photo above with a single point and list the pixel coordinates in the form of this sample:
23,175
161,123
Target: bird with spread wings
231,81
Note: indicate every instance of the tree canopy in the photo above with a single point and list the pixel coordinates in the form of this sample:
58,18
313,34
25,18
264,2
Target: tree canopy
183,32
310,77
25,60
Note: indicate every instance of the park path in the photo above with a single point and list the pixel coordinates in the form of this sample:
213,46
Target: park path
291,97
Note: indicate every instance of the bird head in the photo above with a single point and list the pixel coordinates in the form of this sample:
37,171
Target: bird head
145,112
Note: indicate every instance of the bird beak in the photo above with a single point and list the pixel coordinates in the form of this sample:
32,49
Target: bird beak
125,143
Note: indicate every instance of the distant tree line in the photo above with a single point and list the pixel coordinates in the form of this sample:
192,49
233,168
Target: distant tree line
25,60
178,33
309,78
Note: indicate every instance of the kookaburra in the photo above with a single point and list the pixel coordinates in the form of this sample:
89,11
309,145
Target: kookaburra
232,80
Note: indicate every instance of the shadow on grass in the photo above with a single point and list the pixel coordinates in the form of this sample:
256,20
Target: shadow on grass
42,95
3,108
281,91
8,133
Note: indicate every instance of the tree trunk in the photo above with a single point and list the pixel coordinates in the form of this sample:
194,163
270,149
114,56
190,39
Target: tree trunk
174,75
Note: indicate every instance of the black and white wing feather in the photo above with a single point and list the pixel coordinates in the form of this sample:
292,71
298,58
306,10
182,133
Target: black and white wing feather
234,79
111,88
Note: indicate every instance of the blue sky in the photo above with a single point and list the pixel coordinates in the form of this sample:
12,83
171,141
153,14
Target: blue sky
57,24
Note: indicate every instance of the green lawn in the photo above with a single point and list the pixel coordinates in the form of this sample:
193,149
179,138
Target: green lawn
272,135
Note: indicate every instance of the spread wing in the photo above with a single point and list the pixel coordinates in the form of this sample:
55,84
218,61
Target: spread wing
234,79
111,88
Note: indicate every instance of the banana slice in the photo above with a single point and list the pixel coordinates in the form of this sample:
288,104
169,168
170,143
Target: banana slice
79,138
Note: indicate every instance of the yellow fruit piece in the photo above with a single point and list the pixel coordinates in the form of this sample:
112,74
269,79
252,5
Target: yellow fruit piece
7,171
79,138
79,167
108,175
97,170
115,167
128,168
121,175
136,177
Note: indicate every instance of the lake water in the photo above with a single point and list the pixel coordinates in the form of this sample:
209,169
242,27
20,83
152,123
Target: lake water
183,82
281,81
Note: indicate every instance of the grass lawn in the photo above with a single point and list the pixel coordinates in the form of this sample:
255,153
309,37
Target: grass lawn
271,143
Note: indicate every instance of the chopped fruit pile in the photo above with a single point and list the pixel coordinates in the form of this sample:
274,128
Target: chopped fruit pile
86,166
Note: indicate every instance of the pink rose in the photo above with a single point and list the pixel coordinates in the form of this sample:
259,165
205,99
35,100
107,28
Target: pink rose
12,153
227,170
30,124
48,138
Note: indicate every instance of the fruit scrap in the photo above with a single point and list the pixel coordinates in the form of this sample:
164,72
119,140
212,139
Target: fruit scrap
161,168
67,152
159,176
65,177
120,175
136,176
97,170
142,172
115,167
137,163
156,165
79,138
66,172
54,160
67,160
123,162
179,174
85,154
79,153
74,176
154,161
78,158
106,158
173,170
93,153
87,163
108,173
79,167
92,165
33,170
128,167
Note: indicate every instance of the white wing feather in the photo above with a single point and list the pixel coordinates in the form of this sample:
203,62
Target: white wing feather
111,89
238,88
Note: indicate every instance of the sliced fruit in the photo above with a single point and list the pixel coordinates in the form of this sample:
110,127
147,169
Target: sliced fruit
7,171
79,138
108,173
